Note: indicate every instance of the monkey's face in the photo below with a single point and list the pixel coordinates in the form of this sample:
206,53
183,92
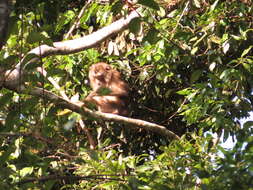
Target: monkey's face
101,72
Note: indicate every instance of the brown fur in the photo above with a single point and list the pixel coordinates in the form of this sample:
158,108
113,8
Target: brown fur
103,76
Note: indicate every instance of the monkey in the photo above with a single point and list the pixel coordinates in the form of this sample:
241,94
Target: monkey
109,92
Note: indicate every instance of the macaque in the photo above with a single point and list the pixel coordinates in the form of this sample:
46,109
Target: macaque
109,91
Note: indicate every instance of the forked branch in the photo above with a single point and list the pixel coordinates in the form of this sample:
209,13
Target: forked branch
75,107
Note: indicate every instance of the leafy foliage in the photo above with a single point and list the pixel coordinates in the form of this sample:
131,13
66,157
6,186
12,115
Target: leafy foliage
189,66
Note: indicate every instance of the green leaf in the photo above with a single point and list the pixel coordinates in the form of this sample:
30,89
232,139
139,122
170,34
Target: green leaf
108,185
34,37
152,36
117,7
92,55
225,74
236,37
247,66
248,124
144,168
186,91
12,118
149,3
8,62
87,15
5,155
26,171
246,51
91,105
5,99
194,50
104,91
135,25
64,19
195,75
93,155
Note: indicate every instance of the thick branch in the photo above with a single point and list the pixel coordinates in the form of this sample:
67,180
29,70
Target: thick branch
105,116
86,42
68,47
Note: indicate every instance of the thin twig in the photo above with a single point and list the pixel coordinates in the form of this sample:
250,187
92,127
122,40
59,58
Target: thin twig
77,22
173,31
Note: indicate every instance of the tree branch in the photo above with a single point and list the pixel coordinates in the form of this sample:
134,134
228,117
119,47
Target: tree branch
86,42
75,107
12,77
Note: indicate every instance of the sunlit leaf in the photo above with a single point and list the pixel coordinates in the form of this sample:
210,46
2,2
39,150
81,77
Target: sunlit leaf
197,3
26,171
225,47
194,50
246,51
186,91
214,5
212,66
247,66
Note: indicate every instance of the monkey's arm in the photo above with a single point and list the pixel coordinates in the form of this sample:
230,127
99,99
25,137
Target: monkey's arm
120,89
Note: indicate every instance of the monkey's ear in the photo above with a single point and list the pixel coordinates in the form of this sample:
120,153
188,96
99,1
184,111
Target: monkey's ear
108,68
103,91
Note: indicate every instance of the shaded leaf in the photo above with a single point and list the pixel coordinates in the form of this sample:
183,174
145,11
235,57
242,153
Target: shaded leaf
195,75
135,25
149,3
152,36
117,7
104,91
